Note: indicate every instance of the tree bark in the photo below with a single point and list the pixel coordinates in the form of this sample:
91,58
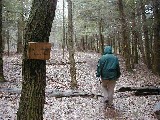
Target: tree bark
101,40
141,90
135,39
71,47
1,46
119,42
8,42
63,42
82,47
20,30
34,71
139,33
20,37
156,13
125,38
146,37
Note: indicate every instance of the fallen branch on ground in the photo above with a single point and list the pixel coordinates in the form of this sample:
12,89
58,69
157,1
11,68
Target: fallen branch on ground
65,63
73,94
60,63
141,90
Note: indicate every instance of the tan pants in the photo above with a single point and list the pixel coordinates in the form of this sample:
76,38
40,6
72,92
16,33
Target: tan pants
108,90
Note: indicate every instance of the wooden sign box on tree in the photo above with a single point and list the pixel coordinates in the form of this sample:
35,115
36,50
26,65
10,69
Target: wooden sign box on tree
39,50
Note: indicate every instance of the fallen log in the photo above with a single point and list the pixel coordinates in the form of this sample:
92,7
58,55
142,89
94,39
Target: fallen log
56,93
65,63
138,91
61,94
57,63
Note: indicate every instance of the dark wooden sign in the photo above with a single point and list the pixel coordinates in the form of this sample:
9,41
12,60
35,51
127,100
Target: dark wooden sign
39,50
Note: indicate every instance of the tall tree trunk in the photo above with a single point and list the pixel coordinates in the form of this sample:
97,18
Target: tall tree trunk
71,47
125,38
63,42
119,42
7,35
114,42
1,46
116,45
101,40
3,39
8,41
83,44
76,41
135,39
139,32
66,40
34,71
20,37
20,30
86,42
151,34
156,13
146,37
91,43
97,43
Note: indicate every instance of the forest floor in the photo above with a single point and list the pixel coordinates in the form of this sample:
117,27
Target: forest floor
127,105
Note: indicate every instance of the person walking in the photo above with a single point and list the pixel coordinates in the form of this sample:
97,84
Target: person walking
109,71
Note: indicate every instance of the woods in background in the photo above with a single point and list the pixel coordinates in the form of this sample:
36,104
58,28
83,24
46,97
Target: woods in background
131,27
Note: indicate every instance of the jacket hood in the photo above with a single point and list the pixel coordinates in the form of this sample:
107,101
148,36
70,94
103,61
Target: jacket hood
108,50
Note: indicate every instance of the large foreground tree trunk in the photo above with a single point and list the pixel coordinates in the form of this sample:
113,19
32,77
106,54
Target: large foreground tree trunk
34,71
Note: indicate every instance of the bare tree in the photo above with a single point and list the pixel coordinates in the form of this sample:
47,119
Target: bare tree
71,46
63,42
125,38
1,46
156,12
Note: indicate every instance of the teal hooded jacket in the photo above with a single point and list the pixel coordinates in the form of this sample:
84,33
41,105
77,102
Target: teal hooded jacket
108,65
